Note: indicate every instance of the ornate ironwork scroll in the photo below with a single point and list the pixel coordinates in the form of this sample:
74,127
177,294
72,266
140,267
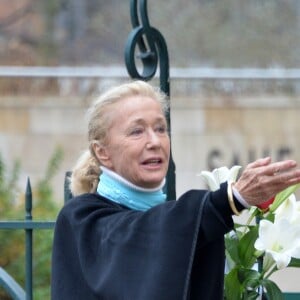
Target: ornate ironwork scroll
152,48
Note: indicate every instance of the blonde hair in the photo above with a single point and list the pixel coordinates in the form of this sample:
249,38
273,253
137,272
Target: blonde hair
85,174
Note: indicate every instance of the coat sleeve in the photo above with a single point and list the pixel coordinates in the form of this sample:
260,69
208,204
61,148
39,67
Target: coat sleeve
104,251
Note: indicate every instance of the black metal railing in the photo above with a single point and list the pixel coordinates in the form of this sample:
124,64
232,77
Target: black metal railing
153,52
28,225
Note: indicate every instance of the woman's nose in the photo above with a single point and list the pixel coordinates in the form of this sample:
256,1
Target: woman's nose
153,139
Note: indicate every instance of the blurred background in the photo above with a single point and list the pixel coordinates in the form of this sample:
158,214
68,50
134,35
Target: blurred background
228,33
235,91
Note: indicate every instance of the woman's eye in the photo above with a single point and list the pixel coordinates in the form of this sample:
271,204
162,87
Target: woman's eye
161,129
136,131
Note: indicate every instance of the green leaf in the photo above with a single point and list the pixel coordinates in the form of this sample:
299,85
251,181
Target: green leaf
233,286
242,283
246,247
270,217
295,262
272,290
249,278
282,196
250,295
231,245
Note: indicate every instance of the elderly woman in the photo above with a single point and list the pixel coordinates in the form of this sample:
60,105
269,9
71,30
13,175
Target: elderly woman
118,239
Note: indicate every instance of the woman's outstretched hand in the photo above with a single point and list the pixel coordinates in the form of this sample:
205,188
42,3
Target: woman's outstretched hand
262,179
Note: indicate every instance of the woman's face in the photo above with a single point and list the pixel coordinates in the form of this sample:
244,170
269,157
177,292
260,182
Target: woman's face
138,144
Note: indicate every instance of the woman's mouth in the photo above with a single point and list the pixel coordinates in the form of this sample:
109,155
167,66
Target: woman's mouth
152,161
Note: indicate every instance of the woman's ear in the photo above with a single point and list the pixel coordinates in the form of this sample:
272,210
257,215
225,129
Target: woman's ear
102,154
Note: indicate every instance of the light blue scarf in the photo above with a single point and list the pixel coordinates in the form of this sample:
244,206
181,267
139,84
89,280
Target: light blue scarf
115,188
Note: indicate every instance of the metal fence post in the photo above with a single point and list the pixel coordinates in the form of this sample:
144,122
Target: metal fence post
28,242
153,51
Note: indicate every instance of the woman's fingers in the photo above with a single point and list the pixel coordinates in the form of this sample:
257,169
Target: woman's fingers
262,180
287,178
259,162
279,167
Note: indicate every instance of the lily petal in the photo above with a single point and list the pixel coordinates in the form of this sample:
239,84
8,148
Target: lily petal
282,247
233,173
282,259
210,180
219,175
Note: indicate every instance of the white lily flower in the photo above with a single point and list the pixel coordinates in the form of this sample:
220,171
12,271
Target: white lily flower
280,239
217,176
289,209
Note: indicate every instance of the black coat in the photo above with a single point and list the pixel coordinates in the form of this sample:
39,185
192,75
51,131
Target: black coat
174,251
